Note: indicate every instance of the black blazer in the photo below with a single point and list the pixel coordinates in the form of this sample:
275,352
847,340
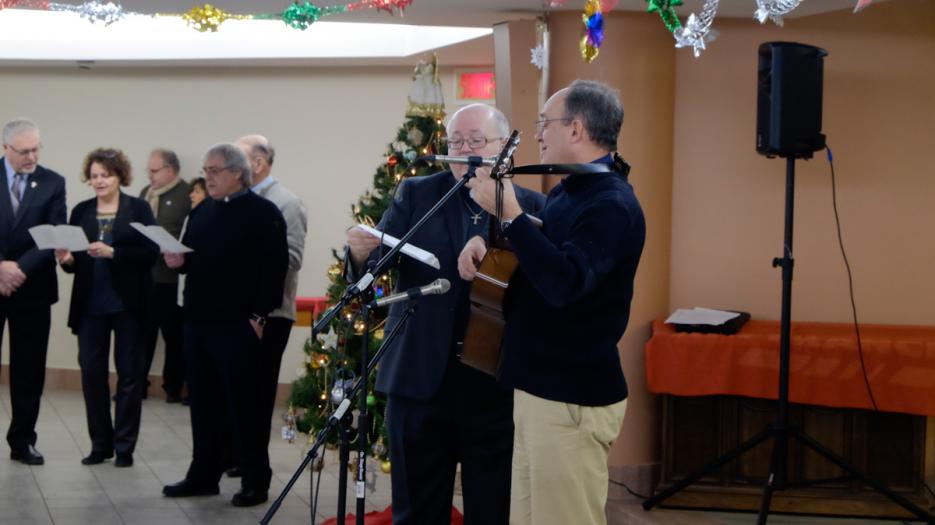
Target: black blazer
134,256
415,363
43,203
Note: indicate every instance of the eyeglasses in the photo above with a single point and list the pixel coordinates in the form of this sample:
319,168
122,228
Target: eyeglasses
25,152
212,170
475,142
155,171
541,124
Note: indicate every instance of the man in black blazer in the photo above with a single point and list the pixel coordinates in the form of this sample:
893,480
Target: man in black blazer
441,412
30,195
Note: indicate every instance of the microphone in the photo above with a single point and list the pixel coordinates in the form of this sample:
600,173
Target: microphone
452,159
438,287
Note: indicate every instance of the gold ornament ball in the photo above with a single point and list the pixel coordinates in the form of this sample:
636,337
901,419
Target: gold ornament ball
386,467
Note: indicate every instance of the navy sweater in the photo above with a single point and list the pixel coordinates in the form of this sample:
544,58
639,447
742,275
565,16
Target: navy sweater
569,304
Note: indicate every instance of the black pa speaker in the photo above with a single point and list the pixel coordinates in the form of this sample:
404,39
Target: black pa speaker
789,92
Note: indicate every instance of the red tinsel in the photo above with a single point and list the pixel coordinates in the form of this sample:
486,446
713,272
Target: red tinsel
382,5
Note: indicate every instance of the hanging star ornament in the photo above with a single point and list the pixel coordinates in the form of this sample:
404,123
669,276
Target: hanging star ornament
697,28
329,340
538,56
774,10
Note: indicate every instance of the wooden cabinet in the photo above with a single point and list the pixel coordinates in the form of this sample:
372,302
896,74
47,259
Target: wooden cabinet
888,447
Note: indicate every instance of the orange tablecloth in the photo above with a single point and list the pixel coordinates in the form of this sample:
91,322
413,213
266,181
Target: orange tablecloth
824,364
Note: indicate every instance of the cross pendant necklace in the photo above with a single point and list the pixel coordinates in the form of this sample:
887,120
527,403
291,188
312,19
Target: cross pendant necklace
475,216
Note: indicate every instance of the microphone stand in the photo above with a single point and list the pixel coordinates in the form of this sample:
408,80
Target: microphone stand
352,291
360,386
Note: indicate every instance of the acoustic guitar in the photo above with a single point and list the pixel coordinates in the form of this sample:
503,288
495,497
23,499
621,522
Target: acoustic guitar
484,336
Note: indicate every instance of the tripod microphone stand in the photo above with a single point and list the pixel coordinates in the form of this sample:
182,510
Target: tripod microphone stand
781,432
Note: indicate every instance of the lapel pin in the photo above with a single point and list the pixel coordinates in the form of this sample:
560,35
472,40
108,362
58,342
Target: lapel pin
33,184
168,203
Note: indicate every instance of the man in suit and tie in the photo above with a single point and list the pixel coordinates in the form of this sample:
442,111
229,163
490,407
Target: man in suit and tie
441,412
30,195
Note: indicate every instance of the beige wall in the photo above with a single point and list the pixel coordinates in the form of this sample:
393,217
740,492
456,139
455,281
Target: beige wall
330,127
636,58
879,116
714,207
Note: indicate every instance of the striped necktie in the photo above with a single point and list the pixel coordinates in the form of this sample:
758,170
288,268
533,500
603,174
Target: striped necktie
17,191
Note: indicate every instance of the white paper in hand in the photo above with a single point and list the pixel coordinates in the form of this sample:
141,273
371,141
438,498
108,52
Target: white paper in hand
59,236
167,243
412,251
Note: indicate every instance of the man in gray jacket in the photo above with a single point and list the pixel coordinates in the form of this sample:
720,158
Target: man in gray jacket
279,323
167,195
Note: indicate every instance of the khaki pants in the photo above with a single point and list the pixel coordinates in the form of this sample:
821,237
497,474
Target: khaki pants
560,460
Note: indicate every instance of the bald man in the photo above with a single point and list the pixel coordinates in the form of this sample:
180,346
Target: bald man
440,412
261,154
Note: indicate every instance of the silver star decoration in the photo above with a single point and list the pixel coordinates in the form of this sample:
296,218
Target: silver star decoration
774,10
329,340
697,29
538,56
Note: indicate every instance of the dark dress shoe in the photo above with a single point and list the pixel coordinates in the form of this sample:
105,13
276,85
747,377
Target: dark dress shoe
249,498
233,472
96,457
27,456
124,459
186,488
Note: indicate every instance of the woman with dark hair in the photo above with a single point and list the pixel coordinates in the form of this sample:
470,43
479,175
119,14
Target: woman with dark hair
198,192
112,280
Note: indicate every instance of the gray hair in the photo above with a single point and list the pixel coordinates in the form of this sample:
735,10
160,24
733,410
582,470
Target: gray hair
503,124
17,127
234,160
169,158
266,150
599,107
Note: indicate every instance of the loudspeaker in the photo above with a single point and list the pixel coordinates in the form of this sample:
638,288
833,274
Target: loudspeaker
789,94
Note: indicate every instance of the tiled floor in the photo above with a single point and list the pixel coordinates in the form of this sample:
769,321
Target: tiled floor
64,492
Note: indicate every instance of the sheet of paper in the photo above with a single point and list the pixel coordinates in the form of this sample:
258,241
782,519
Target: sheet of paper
699,315
167,243
60,236
412,251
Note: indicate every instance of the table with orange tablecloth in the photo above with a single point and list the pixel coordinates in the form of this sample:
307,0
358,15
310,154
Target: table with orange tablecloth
824,364
308,309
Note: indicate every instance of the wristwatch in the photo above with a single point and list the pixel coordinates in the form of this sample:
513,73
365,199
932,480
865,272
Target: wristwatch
259,319
505,223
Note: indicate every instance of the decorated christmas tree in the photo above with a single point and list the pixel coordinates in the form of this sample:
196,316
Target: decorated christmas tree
332,360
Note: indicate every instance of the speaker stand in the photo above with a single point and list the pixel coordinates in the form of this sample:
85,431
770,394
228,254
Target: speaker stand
781,432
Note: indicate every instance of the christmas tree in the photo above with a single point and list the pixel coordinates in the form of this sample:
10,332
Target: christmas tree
333,358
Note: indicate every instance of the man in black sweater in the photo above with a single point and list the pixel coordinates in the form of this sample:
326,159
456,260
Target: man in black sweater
567,308
234,280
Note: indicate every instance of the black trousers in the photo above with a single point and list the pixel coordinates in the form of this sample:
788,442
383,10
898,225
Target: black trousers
275,338
29,342
94,334
469,421
167,316
221,360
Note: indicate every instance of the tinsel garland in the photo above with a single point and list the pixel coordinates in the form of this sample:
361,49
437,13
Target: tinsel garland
774,10
207,17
